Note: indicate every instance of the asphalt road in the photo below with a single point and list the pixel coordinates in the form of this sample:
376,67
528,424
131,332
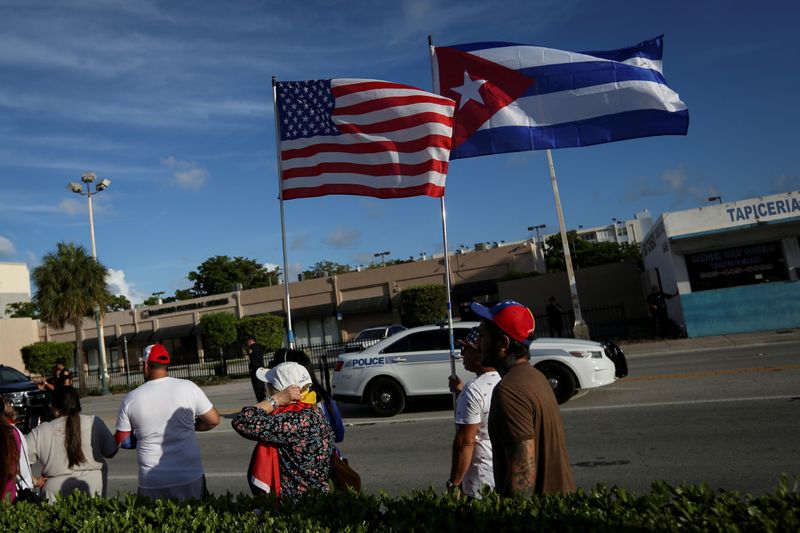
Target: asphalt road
728,417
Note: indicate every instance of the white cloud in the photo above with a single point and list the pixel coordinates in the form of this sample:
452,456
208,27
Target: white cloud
298,240
32,260
6,247
270,266
187,174
343,238
72,207
785,183
191,179
363,259
117,284
675,184
294,270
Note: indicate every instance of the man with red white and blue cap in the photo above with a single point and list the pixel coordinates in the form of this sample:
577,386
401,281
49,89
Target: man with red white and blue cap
471,468
525,427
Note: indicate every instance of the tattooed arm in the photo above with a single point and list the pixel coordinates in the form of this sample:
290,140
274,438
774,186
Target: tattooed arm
521,468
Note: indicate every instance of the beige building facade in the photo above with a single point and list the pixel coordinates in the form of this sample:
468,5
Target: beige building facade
15,285
14,334
324,310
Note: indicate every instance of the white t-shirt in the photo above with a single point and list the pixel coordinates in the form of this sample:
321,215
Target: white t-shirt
161,413
24,461
472,407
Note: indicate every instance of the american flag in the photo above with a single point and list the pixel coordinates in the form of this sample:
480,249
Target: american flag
362,137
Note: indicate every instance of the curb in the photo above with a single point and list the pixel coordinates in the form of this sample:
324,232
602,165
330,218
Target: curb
711,343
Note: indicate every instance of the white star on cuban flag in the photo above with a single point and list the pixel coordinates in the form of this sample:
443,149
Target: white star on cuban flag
470,90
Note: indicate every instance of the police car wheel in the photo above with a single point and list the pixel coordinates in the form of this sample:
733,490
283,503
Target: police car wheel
560,378
386,397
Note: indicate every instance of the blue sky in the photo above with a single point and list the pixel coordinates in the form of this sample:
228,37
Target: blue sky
172,102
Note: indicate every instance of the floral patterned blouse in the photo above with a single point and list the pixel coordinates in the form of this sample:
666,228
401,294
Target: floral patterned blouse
304,441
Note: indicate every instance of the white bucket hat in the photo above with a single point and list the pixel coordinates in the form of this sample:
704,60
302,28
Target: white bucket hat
285,374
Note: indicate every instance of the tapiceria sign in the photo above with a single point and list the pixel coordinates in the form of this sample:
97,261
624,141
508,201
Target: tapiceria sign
764,209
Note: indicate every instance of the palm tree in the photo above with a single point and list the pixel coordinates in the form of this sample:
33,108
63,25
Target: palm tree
69,284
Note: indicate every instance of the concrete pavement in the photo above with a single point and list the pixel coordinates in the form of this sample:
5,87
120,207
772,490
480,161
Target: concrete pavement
232,396
664,346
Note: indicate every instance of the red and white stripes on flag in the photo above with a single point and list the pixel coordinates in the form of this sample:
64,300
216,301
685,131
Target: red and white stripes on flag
362,137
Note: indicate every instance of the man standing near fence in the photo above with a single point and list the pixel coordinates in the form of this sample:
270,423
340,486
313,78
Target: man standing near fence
255,356
159,419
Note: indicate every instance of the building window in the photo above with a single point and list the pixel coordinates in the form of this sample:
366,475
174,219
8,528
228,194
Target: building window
323,330
733,267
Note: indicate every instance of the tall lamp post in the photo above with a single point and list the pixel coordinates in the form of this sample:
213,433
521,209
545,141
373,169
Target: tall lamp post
382,255
536,228
88,178
158,295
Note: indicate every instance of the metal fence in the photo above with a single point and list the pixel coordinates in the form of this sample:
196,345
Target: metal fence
323,357
603,322
129,378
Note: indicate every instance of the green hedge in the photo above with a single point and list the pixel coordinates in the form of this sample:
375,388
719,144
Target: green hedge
40,357
423,305
267,329
218,329
665,508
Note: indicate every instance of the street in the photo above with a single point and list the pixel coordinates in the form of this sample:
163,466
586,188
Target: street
721,416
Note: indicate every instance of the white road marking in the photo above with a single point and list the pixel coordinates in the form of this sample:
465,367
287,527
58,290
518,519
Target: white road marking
375,421
670,404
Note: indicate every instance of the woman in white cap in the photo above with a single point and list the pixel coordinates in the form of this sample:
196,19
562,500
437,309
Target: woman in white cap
325,401
296,442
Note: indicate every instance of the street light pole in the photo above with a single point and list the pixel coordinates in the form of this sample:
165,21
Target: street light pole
539,251
88,178
382,255
158,294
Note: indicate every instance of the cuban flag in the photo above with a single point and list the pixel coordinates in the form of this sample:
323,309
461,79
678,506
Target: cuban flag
513,97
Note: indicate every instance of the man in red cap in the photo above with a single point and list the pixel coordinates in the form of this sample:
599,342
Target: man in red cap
525,427
159,419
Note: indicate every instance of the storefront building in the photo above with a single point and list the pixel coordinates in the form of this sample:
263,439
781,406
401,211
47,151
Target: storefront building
734,266
327,309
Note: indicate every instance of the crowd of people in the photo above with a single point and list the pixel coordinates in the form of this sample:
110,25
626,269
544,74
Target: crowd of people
509,434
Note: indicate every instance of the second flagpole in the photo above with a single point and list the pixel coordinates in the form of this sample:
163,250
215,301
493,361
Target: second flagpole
446,256
289,330
579,329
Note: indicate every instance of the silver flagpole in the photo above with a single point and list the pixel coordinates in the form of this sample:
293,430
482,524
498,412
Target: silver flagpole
580,330
448,284
289,331
446,255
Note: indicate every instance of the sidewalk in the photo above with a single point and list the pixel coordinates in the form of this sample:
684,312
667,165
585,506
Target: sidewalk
637,349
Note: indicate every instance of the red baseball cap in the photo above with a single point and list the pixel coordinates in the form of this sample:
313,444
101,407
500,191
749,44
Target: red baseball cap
513,318
156,353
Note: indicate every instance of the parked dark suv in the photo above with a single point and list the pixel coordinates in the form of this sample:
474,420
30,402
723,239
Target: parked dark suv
29,402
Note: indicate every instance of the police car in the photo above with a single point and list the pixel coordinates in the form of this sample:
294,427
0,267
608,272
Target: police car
416,362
